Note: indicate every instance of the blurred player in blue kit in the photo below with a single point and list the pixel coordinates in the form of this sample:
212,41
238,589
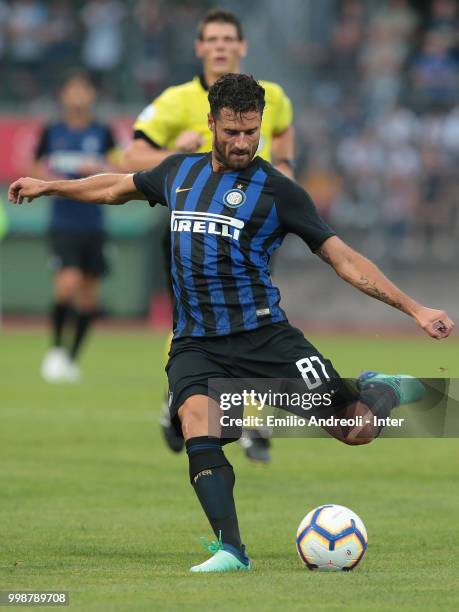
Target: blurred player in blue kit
75,146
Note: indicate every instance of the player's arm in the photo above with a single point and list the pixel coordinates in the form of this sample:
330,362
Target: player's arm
283,144
161,123
283,151
297,214
139,154
98,189
363,274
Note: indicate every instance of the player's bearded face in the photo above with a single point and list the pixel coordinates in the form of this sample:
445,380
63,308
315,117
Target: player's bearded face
235,137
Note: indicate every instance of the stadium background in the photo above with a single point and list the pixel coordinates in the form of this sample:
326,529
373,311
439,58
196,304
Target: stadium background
91,500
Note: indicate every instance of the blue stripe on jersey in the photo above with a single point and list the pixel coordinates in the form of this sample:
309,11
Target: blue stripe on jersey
182,172
243,280
267,229
185,252
210,260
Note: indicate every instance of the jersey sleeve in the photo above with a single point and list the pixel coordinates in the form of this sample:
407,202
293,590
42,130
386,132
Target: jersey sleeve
162,120
153,183
283,115
298,215
42,148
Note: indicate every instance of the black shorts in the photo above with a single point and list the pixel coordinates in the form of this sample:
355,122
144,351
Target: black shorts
81,250
276,351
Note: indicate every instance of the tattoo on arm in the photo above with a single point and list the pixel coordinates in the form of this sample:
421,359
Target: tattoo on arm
370,288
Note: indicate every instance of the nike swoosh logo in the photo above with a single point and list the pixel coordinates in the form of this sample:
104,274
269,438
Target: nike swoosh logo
178,190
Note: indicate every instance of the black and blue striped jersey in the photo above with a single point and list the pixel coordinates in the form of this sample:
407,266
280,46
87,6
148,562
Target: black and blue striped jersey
224,229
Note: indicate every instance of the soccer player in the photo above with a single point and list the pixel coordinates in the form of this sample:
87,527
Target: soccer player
230,210
75,146
177,122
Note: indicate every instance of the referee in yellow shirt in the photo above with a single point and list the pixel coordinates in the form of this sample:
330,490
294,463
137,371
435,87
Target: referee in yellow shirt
176,122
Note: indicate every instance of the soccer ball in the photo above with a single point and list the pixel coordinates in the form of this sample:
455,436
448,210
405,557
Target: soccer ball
331,538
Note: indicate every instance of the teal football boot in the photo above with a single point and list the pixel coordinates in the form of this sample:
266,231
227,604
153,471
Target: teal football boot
226,558
408,389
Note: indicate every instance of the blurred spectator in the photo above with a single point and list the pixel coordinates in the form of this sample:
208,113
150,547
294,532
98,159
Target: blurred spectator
382,59
444,16
435,71
345,43
400,198
152,68
361,160
434,210
400,193
322,182
384,53
62,36
450,133
27,30
362,156
402,161
398,126
398,17
186,16
432,127
103,41
4,17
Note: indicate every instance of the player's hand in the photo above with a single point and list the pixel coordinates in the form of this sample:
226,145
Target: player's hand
436,323
28,188
188,142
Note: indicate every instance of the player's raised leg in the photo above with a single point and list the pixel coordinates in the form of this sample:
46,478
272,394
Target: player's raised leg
378,395
212,478
368,403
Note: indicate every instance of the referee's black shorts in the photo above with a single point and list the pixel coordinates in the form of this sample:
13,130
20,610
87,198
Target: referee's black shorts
275,351
81,250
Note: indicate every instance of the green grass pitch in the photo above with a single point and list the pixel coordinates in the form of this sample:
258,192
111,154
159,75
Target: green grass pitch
93,503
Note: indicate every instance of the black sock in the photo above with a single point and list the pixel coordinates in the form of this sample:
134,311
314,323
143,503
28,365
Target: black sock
59,315
83,322
212,478
380,399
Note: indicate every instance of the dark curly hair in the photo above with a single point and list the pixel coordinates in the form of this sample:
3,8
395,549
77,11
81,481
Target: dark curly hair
239,92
